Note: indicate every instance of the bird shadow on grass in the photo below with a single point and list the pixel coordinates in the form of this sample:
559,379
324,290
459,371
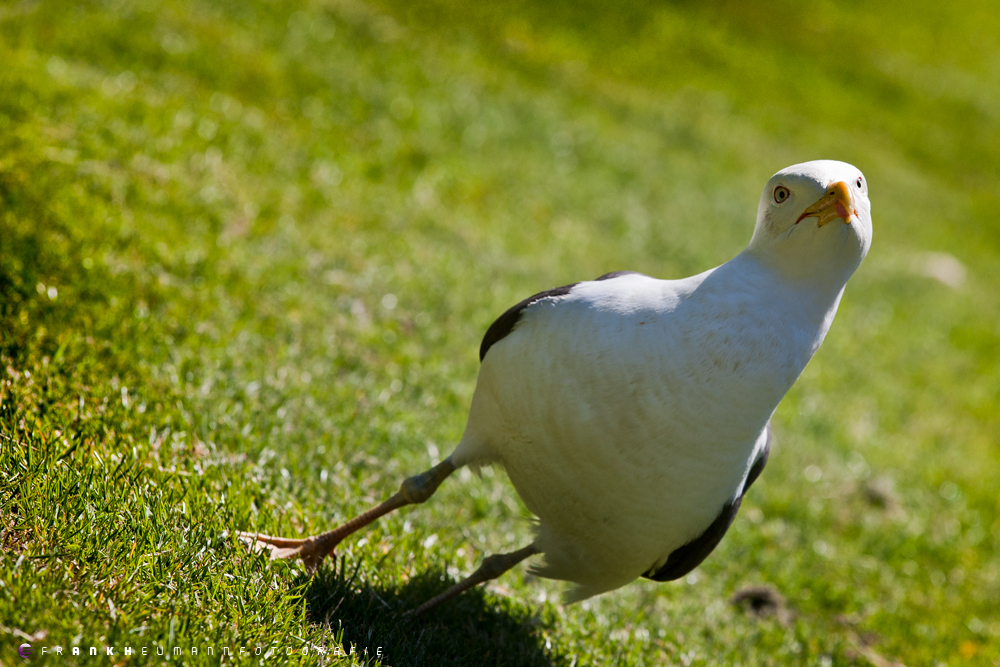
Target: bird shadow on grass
469,630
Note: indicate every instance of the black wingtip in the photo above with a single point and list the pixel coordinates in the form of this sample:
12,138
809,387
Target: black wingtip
506,322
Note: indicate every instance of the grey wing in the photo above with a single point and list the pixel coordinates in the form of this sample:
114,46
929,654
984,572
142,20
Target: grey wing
685,558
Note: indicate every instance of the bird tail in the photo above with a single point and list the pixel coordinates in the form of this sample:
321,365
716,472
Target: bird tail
585,577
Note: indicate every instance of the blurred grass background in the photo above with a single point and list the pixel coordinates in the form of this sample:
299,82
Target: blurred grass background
248,251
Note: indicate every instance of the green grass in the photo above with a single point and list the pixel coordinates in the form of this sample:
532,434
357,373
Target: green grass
204,210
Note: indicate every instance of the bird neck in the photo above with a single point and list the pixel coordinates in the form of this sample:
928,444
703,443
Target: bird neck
810,298
821,268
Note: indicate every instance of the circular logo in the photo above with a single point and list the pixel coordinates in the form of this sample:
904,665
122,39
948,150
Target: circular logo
24,650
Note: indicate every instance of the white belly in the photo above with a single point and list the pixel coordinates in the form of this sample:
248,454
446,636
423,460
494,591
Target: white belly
625,434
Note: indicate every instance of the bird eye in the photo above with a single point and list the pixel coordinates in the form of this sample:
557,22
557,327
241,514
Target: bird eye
781,193
859,182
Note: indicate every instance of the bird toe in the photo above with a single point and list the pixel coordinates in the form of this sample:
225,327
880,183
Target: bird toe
283,548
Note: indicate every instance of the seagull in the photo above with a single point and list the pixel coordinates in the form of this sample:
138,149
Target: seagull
631,414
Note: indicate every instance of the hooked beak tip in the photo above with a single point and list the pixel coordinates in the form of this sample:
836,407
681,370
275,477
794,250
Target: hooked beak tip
836,203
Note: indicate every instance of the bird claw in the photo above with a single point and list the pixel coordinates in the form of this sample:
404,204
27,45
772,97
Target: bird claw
309,549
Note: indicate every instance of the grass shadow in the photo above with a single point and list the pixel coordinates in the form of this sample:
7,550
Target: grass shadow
469,630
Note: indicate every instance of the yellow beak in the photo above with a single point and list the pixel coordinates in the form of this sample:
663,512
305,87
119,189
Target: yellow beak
836,203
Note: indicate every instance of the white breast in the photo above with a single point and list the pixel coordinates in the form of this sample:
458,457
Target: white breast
628,411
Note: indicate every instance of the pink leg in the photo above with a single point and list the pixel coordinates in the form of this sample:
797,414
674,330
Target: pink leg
492,567
313,549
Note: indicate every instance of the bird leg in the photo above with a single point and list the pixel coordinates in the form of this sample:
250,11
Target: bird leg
313,549
492,567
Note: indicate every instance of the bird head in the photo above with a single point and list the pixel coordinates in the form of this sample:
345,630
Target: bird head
814,221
